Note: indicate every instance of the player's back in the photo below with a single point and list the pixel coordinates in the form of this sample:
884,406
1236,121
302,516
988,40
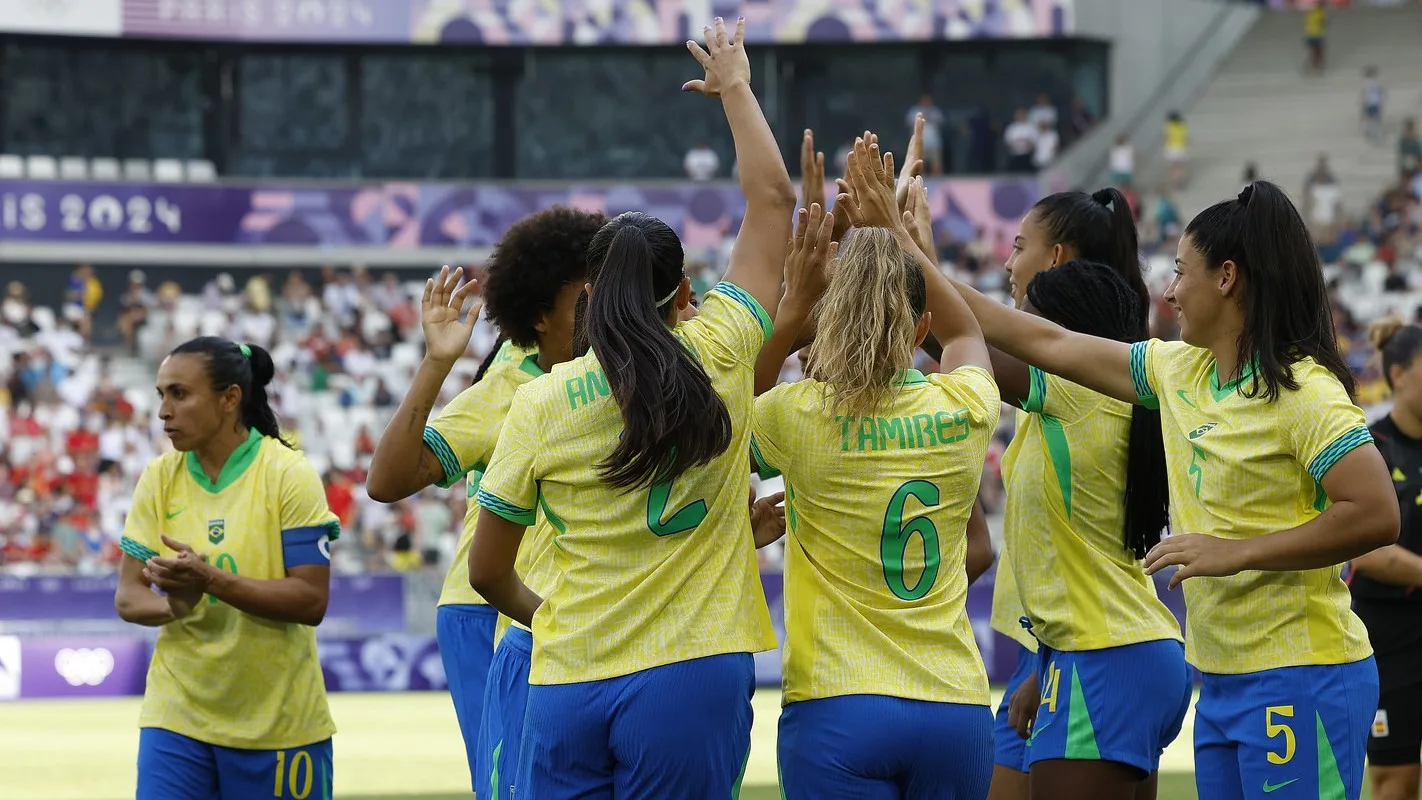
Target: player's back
877,509
646,576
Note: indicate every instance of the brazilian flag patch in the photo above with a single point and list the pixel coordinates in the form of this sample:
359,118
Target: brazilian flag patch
216,530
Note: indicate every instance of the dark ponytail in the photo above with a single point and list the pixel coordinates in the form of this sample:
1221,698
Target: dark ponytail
1096,300
1100,227
489,359
1287,314
672,417
246,366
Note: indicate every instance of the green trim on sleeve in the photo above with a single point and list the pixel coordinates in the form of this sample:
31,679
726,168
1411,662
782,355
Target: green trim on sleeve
138,550
518,515
453,470
762,468
751,304
1340,447
333,530
1036,391
1145,394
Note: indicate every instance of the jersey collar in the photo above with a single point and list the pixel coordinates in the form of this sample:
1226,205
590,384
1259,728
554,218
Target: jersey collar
236,465
530,364
909,377
1221,392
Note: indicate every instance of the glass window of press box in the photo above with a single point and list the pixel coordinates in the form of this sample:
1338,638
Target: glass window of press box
571,113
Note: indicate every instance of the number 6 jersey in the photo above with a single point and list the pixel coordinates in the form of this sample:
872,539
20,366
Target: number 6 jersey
646,576
877,511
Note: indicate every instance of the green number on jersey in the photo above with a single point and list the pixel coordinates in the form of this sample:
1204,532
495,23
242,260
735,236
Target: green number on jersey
686,518
1196,471
227,563
896,537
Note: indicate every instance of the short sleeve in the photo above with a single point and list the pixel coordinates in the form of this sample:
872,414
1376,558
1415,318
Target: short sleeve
1143,373
509,487
730,317
975,388
1320,421
141,534
766,449
307,525
1058,397
464,433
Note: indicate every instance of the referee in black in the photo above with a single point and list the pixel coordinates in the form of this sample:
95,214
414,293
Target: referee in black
1387,583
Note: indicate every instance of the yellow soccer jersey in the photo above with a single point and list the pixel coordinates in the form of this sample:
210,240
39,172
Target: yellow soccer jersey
220,675
535,566
1242,467
1065,476
1006,616
644,577
877,509
463,436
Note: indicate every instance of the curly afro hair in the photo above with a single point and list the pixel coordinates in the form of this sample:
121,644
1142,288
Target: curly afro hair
535,259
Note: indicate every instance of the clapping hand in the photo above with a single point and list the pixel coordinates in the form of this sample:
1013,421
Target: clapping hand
446,334
916,217
724,60
913,163
183,577
810,252
870,200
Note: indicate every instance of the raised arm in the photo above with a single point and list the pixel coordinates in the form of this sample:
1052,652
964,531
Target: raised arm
810,251
403,463
758,258
873,205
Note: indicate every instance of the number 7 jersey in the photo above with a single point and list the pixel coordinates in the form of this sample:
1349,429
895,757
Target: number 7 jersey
644,576
877,510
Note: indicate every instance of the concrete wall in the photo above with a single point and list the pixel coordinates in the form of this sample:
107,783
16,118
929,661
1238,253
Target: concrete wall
1163,54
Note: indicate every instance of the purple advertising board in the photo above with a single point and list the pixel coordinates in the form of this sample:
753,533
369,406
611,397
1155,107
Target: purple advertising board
72,667
358,603
411,215
628,22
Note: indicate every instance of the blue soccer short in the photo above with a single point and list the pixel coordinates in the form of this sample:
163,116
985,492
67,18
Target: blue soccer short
1122,704
466,646
1010,750
505,700
1285,734
175,767
681,730
872,747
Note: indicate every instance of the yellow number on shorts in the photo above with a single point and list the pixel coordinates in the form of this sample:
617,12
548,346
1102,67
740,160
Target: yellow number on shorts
308,774
1049,692
1274,729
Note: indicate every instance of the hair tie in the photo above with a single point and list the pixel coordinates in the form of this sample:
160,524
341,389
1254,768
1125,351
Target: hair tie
1245,194
246,351
669,296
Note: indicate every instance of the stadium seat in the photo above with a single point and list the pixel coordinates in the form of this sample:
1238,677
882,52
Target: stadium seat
12,166
201,171
105,169
168,170
41,168
73,168
137,169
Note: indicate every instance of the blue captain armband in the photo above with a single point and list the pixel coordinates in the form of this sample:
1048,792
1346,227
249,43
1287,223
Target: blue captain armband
308,547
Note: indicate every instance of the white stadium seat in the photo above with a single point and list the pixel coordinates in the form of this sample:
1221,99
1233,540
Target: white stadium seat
73,168
12,166
105,169
41,168
137,169
168,170
201,170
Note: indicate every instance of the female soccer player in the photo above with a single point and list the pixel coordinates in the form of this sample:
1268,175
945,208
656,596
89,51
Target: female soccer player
636,453
533,279
882,673
1274,482
1384,581
233,527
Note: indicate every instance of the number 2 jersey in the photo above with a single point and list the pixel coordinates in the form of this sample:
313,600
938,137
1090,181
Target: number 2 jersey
877,511
220,675
646,576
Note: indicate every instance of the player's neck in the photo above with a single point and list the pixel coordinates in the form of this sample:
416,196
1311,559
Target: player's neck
213,456
1406,420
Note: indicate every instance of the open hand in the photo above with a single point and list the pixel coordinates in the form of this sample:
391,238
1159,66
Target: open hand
812,171
810,252
724,59
870,199
917,219
1198,555
913,162
767,518
446,334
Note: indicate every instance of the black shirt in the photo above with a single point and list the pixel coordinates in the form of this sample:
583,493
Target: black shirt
1393,614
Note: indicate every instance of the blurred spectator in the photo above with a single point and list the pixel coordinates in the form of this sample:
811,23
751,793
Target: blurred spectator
1409,148
1373,96
15,310
1021,140
1177,149
1046,146
932,132
1315,30
1251,173
1123,161
1043,113
1322,196
701,162
1080,120
134,307
81,297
